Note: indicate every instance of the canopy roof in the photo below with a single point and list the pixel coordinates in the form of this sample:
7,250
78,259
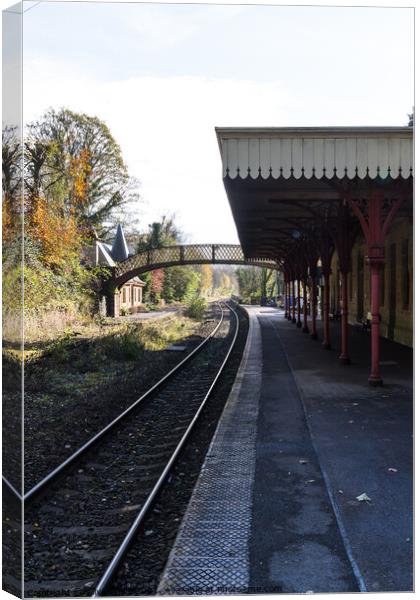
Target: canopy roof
280,181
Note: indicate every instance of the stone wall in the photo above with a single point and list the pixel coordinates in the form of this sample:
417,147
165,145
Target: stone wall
397,323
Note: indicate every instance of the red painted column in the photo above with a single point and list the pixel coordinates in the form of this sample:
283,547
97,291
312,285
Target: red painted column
286,299
375,229
305,328
375,376
326,343
314,334
344,355
298,322
289,301
293,302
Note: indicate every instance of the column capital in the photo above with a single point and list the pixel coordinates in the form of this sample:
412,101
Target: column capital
376,254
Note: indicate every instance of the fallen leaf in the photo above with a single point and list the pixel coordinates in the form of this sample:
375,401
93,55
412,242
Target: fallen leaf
392,470
303,461
340,492
363,498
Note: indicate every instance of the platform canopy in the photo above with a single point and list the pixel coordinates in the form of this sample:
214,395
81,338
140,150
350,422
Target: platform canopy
280,179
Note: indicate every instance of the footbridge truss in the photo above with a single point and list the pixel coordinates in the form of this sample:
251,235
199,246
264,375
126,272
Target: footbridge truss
191,254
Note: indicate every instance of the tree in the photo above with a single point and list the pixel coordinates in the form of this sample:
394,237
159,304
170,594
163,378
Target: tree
226,285
12,185
161,233
248,282
268,281
74,157
206,285
180,283
156,285
411,119
57,236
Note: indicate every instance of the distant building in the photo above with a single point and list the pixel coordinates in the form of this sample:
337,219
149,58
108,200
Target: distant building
106,255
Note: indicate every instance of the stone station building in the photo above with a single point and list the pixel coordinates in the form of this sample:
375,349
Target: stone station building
129,296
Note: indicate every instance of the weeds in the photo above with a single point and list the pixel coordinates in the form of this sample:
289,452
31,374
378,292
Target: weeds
124,346
196,307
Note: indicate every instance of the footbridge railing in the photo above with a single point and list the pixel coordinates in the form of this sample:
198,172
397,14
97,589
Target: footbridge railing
191,254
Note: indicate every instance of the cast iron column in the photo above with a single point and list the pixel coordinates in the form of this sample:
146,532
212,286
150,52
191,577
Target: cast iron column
375,268
326,343
298,322
305,328
314,334
375,220
343,235
293,302
344,355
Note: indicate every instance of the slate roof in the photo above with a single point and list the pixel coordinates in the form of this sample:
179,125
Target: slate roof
119,247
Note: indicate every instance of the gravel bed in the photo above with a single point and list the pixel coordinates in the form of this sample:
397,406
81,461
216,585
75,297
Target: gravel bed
11,542
73,531
12,421
143,565
88,400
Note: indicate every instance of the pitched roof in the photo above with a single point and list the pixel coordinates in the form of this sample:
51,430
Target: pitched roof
104,257
119,247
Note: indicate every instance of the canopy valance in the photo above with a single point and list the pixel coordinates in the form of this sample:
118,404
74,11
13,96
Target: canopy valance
340,152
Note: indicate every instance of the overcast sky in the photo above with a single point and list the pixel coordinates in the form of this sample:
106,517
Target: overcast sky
163,76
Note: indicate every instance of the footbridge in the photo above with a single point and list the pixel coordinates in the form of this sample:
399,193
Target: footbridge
190,254
170,256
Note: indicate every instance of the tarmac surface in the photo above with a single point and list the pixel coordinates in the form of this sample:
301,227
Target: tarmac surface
153,314
315,436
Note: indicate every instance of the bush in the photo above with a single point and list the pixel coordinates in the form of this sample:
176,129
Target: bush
124,346
196,308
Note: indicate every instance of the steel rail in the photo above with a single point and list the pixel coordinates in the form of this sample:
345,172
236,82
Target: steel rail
12,488
115,562
38,487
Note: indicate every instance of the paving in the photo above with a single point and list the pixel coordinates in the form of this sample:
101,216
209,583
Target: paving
313,437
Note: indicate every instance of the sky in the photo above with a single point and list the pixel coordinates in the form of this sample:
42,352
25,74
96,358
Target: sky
163,76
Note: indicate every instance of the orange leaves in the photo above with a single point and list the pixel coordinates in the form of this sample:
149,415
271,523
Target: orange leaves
57,234
206,278
79,173
55,224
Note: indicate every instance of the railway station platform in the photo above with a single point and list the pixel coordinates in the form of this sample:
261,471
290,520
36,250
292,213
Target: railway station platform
276,508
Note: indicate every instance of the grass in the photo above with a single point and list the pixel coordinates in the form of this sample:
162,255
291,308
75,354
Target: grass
134,339
89,356
90,344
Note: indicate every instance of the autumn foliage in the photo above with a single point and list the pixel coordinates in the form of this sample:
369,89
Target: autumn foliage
156,286
58,235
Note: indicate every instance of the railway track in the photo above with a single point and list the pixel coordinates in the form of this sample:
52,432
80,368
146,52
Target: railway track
82,518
